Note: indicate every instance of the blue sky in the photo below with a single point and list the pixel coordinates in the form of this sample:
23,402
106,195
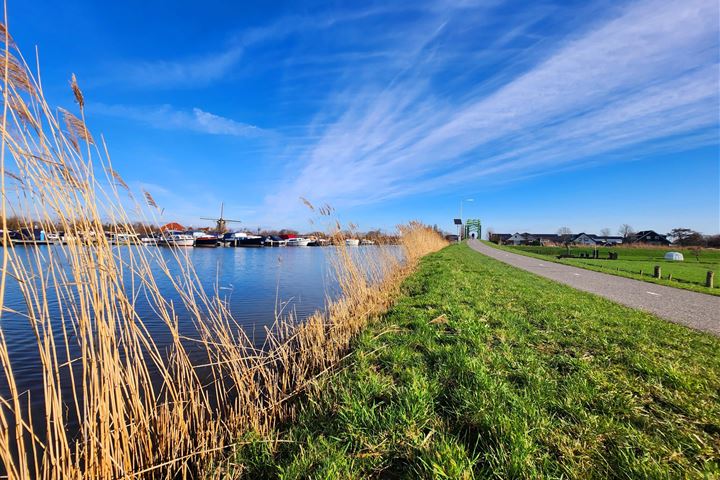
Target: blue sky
547,114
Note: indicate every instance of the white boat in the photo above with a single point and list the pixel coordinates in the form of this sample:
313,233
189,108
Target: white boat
150,240
352,242
52,238
318,242
124,239
177,240
298,242
365,241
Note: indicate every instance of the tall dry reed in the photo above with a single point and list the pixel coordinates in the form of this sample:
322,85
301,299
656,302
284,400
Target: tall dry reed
115,404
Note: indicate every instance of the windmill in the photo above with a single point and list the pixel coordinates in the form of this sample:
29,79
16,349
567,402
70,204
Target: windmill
221,222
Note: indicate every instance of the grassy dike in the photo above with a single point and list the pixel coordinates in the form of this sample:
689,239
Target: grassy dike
482,370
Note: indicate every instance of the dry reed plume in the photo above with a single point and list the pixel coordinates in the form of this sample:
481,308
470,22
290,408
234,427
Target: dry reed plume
139,410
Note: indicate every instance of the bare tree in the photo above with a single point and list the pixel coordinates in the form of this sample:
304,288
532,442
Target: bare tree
687,237
564,231
713,241
490,232
625,230
605,232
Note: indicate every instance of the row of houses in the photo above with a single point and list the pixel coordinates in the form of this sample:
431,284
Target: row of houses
648,237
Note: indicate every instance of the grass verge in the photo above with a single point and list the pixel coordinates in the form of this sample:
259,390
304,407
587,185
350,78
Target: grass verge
635,263
480,370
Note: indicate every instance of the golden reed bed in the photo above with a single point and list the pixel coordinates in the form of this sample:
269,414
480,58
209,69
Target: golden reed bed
140,411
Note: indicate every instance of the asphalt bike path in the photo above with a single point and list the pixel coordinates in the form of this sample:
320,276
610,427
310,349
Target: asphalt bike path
695,310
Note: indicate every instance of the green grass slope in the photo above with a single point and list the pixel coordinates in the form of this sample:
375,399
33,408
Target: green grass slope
637,263
482,370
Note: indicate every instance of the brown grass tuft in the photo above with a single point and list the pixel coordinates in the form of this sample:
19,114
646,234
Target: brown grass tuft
19,107
149,199
77,92
307,203
5,35
76,127
18,77
114,174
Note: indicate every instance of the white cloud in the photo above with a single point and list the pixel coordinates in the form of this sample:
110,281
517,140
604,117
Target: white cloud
192,72
204,69
648,74
168,118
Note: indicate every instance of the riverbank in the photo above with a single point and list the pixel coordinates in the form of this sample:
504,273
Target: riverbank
636,263
129,367
482,369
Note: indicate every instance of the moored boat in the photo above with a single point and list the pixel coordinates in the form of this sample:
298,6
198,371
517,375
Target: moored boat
151,240
352,242
124,239
12,235
26,236
250,241
318,242
177,240
207,241
274,241
56,238
298,242
241,239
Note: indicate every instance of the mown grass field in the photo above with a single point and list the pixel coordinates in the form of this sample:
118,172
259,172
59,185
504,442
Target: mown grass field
482,370
638,263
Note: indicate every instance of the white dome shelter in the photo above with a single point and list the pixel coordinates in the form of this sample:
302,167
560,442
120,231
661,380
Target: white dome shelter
674,256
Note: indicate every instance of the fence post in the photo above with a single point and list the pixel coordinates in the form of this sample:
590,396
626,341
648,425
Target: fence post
709,279
658,271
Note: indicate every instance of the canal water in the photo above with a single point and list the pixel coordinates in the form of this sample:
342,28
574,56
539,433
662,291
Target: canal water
255,283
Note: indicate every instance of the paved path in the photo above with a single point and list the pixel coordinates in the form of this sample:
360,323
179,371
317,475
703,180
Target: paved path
696,310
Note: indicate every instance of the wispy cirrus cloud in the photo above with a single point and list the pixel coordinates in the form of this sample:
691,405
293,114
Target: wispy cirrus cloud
196,71
201,70
648,73
167,117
